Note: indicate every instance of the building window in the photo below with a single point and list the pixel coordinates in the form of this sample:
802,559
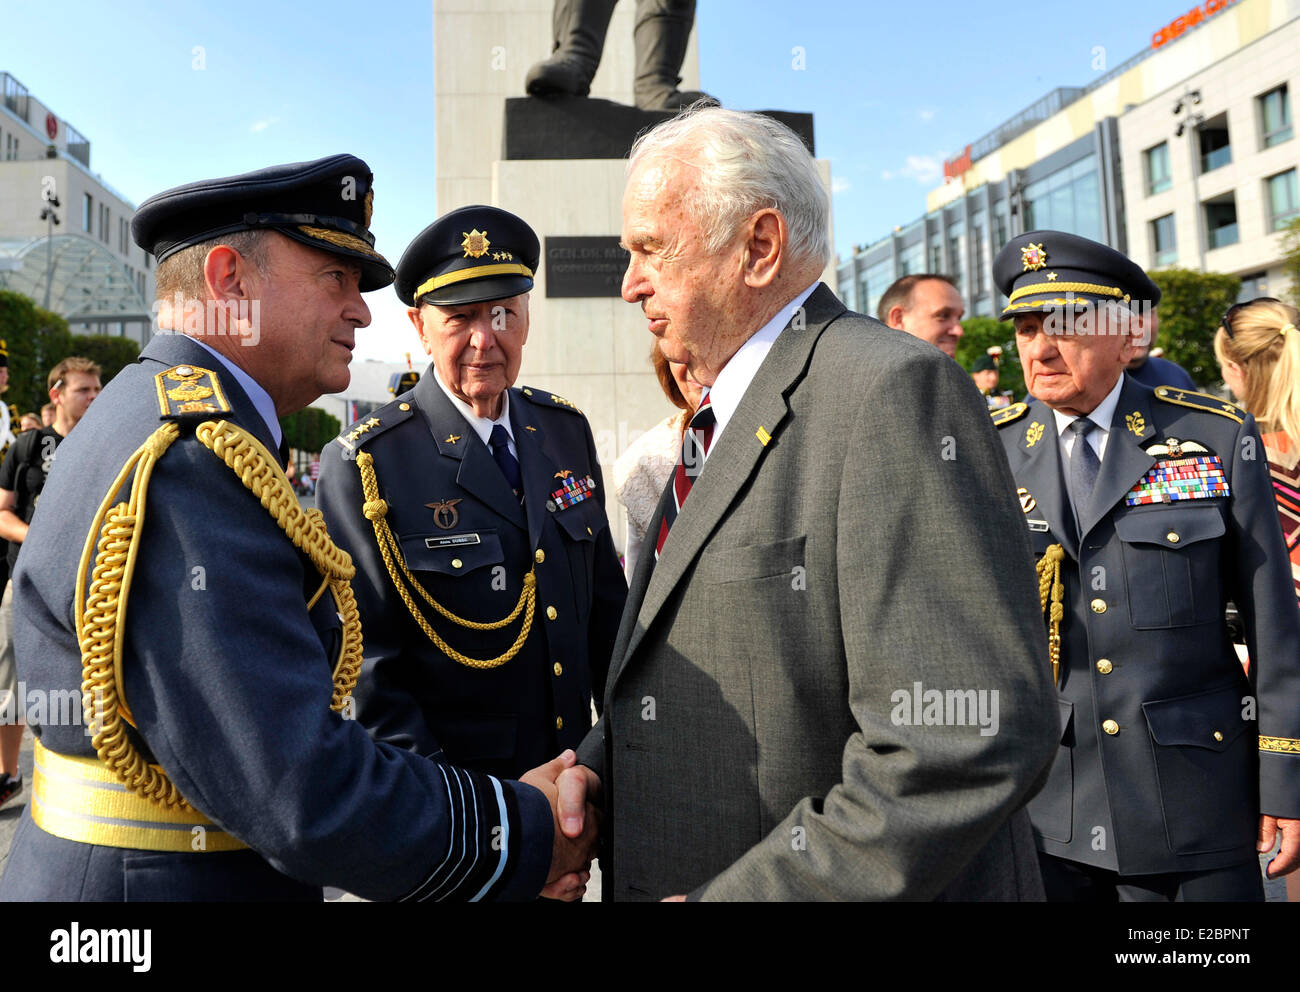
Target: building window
1164,247
1275,117
121,235
1216,149
1283,207
873,283
1253,286
1157,166
936,257
977,256
911,260
1067,200
103,222
88,214
1000,229
1221,222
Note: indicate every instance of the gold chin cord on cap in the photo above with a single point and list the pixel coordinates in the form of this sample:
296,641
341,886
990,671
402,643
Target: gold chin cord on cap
113,545
375,510
1051,589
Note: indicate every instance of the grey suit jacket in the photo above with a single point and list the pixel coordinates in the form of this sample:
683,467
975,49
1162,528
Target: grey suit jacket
770,727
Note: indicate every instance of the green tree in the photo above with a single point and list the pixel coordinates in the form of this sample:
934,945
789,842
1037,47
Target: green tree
32,335
111,354
310,429
1291,260
1191,306
981,333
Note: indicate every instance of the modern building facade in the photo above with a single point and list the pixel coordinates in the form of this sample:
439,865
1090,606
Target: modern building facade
1183,155
84,267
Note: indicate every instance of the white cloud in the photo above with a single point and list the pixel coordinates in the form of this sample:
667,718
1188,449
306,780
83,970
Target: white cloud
924,169
840,185
263,124
926,114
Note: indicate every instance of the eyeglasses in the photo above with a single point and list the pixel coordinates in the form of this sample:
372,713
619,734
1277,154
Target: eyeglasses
1232,310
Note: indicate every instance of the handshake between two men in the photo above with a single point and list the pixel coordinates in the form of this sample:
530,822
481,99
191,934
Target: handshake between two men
569,788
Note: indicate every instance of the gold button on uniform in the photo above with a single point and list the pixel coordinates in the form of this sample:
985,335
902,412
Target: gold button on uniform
1172,537
559,723
403,406
1218,736
1111,727
1098,606
539,556
559,669
1104,666
456,563
551,614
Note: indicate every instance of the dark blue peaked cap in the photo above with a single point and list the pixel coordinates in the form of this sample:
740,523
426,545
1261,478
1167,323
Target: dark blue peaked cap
325,204
1052,270
469,255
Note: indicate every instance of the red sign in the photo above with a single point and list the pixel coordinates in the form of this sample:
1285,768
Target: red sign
954,167
51,126
1189,20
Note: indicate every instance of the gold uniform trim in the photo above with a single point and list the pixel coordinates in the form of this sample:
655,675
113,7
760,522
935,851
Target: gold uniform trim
473,272
1201,401
341,239
182,389
1068,287
1009,414
80,799
1279,745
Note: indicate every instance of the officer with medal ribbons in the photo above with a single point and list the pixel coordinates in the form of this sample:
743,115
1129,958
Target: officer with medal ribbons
171,572
487,579
1148,510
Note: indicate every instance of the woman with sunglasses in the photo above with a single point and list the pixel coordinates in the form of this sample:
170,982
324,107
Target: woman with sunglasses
1258,348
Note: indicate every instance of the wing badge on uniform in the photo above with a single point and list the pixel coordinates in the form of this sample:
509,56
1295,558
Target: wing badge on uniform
1027,502
1171,447
445,514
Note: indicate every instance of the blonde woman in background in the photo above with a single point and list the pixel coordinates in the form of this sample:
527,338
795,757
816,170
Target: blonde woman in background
1258,348
641,473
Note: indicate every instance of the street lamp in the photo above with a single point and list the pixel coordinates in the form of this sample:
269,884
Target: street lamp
51,218
1189,123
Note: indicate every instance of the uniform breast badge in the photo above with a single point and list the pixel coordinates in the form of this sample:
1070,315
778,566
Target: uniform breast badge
1027,502
1135,423
1033,435
574,490
445,514
1184,470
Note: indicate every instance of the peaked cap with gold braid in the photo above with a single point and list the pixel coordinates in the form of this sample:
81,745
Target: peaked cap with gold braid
324,204
470,255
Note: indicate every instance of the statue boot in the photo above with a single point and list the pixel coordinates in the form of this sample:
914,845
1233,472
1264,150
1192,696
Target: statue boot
663,28
578,28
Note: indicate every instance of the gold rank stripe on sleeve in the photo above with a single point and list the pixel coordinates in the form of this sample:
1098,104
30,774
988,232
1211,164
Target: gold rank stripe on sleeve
187,392
1201,401
1279,745
1009,414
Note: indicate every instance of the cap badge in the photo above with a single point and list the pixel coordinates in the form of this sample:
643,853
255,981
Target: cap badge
1034,257
476,243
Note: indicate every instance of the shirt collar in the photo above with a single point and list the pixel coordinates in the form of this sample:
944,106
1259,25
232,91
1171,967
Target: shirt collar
1101,416
482,425
729,387
260,398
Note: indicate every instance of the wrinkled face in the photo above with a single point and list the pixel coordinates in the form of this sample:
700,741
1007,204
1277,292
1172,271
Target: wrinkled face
476,347
1071,371
985,379
310,309
691,297
78,391
935,315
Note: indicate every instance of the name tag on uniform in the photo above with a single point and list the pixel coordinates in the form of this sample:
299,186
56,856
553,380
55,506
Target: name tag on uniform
451,541
1038,526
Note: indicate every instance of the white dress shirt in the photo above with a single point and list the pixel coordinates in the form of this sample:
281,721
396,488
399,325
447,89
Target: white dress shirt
1101,416
262,401
482,425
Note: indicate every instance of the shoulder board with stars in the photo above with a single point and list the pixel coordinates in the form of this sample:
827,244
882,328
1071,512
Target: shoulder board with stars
368,428
1009,414
189,393
1201,401
544,397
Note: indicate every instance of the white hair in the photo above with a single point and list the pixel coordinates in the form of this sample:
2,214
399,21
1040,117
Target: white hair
747,162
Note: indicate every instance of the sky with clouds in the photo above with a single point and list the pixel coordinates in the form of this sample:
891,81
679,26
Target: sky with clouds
895,88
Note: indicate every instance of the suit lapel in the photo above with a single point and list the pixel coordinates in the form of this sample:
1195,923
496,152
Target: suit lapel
1041,473
536,465
1125,462
478,475
734,457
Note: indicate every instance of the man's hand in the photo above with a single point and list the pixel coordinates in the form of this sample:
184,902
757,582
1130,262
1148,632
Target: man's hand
572,853
579,789
1288,857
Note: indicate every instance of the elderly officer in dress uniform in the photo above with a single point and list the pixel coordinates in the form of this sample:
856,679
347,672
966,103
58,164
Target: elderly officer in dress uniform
1149,510
218,762
486,576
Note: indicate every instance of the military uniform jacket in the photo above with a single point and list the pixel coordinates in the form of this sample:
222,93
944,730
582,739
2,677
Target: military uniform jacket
467,540
1168,752
228,678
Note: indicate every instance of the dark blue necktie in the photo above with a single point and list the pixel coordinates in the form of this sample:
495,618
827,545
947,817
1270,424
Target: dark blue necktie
499,442
1084,466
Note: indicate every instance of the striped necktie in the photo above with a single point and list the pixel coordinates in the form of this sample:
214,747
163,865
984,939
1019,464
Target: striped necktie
695,449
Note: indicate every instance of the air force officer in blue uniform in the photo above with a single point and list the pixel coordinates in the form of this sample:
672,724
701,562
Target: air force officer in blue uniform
220,762
486,575
1149,510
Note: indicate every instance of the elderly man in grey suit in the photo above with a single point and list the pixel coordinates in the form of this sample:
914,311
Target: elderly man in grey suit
831,678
